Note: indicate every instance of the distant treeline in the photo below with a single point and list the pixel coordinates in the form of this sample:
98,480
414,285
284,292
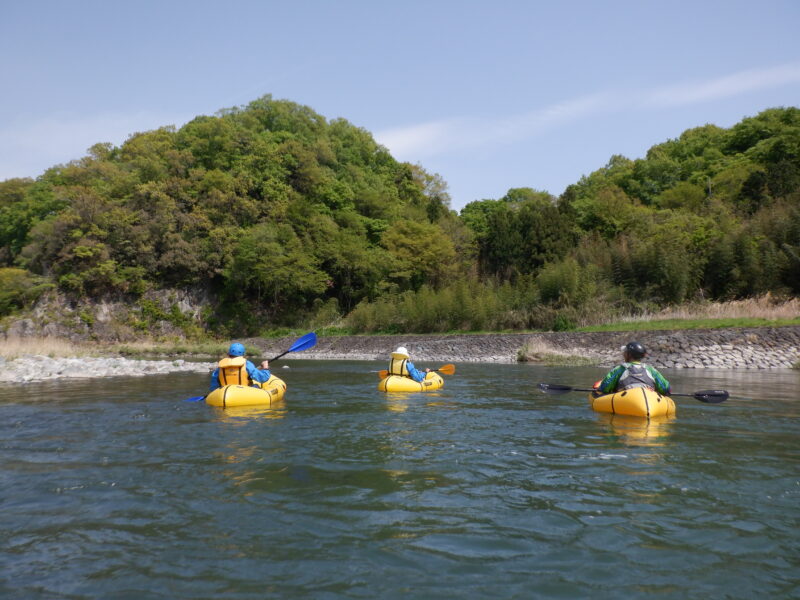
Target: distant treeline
294,220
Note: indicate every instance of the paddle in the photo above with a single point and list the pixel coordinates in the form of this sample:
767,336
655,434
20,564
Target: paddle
302,343
446,369
708,396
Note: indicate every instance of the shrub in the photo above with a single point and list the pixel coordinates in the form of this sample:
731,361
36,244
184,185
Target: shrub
19,289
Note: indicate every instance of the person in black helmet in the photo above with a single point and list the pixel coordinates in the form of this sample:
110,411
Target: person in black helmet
632,373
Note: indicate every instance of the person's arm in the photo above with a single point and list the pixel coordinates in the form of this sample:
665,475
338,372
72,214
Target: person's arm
415,373
609,383
265,369
662,385
259,375
214,384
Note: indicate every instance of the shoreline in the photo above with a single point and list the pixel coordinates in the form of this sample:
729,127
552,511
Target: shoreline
32,368
754,348
734,348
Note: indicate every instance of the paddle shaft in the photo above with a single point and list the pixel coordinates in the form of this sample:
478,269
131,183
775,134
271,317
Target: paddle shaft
708,396
279,355
596,390
446,369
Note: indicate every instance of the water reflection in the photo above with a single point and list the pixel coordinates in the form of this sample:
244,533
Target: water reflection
400,401
637,431
397,402
240,415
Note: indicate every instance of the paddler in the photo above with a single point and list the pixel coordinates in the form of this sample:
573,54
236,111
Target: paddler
400,364
633,374
237,370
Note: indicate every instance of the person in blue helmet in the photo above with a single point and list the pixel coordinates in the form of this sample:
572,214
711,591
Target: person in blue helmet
632,373
237,370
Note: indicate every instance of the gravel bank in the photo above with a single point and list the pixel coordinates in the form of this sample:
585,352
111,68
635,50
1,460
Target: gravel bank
39,368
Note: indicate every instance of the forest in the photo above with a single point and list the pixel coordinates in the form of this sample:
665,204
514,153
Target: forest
292,220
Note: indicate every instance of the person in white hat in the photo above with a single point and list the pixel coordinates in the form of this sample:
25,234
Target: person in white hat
401,365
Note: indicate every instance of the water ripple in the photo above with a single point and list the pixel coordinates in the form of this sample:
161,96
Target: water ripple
127,491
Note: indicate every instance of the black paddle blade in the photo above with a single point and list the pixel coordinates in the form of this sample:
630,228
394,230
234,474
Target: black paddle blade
711,396
554,388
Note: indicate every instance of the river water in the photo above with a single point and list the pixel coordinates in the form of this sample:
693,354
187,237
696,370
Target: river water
119,488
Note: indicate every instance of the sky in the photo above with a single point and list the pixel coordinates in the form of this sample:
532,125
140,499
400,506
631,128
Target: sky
491,95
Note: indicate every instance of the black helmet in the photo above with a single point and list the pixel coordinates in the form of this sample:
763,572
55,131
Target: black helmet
635,350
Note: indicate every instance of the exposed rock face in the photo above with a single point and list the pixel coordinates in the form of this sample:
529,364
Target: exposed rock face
119,320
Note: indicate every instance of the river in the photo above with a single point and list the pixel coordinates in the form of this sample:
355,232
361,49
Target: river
119,488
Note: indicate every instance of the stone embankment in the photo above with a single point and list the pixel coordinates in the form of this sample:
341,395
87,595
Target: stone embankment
740,348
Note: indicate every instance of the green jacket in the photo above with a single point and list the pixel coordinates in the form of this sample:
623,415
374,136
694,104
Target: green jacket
610,382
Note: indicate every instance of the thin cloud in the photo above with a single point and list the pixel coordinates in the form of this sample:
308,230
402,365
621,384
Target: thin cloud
27,149
436,137
458,134
723,87
423,139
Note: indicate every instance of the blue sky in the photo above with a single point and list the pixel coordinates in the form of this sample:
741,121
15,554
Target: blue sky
490,95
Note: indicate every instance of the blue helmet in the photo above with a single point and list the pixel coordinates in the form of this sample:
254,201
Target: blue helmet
236,349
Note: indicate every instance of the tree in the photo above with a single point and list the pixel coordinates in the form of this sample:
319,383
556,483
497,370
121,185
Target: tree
270,260
419,254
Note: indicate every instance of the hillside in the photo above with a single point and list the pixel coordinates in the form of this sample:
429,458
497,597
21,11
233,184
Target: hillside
277,217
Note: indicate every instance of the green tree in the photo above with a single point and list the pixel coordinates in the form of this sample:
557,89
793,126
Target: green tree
19,288
419,254
269,260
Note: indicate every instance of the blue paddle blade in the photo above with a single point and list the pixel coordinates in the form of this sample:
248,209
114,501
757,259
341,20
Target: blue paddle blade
303,343
195,399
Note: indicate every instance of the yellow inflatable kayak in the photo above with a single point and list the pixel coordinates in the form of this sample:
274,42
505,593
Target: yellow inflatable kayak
399,383
270,392
637,402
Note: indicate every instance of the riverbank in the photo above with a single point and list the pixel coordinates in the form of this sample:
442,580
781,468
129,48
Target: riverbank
737,348
30,368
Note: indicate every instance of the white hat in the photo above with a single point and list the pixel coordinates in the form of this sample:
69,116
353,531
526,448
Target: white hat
401,351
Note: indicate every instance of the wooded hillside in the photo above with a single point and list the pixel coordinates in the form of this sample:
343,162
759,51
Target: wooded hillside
291,219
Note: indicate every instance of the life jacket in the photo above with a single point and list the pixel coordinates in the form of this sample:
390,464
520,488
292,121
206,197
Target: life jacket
233,371
635,375
397,366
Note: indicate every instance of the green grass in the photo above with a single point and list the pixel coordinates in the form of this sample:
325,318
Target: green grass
671,324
